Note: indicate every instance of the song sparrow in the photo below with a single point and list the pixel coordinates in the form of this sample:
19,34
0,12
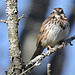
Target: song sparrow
54,29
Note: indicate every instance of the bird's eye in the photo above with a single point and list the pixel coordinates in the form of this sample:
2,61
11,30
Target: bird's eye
62,11
53,12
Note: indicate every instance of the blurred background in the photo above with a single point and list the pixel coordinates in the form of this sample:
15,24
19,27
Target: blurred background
36,11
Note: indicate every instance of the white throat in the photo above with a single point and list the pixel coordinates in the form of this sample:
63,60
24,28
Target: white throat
57,16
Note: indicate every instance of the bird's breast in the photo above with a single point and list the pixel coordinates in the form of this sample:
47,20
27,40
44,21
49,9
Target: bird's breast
54,34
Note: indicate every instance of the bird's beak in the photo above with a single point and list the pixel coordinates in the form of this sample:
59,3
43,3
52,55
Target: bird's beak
58,12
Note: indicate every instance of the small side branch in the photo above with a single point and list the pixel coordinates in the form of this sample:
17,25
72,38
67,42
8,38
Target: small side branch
36,61
3,21
23,16
48,68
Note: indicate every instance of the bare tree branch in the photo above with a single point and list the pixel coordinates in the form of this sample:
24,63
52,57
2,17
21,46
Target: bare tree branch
12,24
48,68
3,21
23,16
36,60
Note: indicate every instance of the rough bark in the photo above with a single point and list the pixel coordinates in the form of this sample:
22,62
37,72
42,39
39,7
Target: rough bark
12,24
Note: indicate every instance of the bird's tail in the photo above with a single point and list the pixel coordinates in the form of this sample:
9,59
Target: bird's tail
37,52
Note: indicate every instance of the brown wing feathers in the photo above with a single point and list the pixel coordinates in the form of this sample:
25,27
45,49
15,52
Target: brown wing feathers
40,37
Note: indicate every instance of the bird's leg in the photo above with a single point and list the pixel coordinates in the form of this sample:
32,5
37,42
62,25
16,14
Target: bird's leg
50,48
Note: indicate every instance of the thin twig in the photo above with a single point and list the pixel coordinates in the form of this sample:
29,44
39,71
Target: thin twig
23,16
27,69
3,21
36,60
48,68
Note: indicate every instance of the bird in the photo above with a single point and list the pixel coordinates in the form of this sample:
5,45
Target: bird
53,30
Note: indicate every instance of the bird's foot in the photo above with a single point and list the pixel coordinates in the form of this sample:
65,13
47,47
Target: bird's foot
50,48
